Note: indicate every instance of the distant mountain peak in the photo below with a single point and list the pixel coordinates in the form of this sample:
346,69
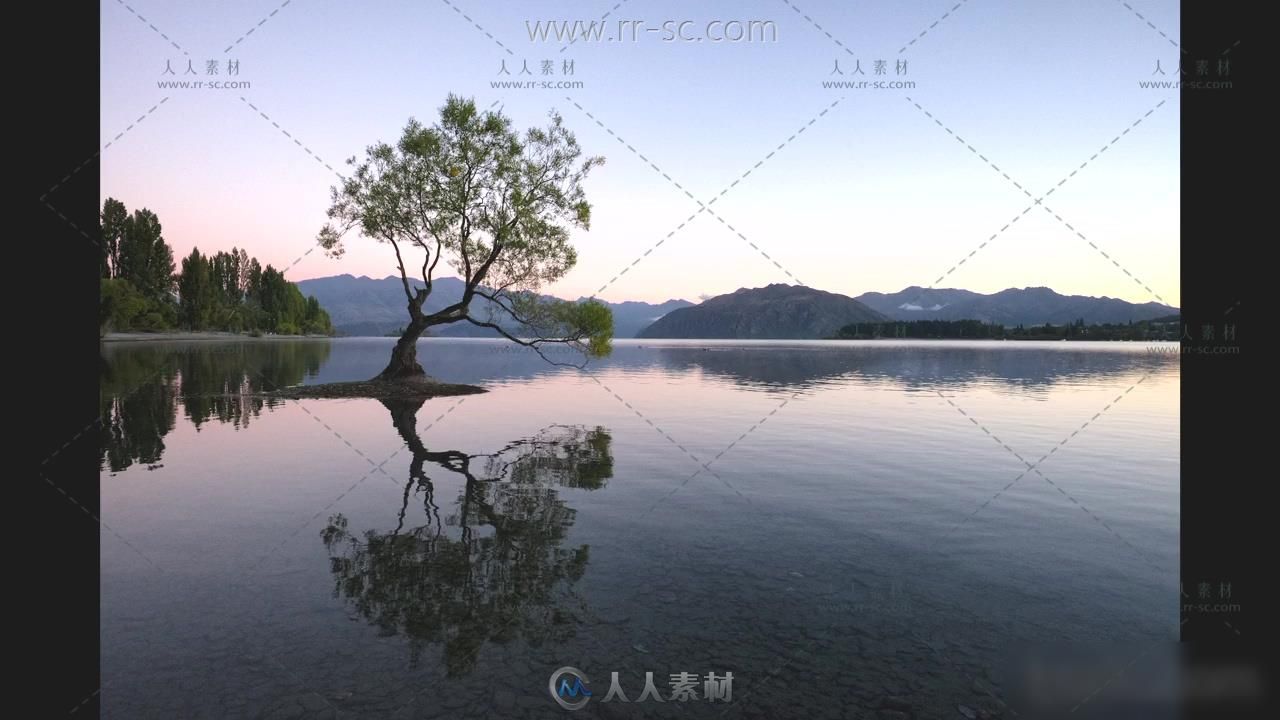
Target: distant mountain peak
1030,305
775,311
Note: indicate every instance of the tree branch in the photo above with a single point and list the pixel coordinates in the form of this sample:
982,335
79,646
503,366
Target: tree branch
534,344
404,276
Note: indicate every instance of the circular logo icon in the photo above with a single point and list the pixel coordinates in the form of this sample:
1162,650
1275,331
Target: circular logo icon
569,688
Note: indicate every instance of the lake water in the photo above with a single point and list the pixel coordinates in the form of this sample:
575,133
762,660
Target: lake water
853,529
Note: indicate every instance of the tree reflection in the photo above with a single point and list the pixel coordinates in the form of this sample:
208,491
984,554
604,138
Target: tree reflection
493,567
141,388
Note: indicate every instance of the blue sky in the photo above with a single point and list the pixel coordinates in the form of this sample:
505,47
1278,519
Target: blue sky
859,189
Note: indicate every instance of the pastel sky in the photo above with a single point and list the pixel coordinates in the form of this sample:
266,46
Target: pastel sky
847,190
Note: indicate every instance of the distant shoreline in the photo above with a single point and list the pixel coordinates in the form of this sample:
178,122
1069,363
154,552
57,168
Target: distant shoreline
202,335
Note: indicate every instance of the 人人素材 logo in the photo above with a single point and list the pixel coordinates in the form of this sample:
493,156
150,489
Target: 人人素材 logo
569,688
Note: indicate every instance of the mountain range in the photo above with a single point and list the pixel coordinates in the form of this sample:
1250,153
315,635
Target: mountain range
786,312
1025,306
369,306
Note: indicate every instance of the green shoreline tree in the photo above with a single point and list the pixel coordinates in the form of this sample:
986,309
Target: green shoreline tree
499,204
224,291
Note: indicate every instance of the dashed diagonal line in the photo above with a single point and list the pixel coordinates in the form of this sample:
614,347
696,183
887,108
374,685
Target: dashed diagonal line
98,420
154,29
477,26
1104,148
966,144
752,429
305,149
799,131
632,148
1033,468
376,468
720,454
964,672
1039,200
650,423
979,248
646,253
1104,254
339,435
109,143
83,165
769,676
94,423
289,135
925,31
91,696
984,429
820,29
100,522
1110,680
1037,463
603,17
703,207
356,450
1149,24
673,441
261,22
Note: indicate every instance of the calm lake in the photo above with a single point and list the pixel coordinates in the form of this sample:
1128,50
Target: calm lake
852,529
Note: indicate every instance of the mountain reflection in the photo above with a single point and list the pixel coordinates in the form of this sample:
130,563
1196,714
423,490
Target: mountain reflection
489,564
1002,364
141,387
144,384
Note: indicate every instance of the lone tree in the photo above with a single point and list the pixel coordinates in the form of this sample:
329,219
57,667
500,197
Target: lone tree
499,205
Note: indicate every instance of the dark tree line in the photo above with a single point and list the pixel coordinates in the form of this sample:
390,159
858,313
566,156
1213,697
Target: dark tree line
137,271
232,291
144,388
1162,329
142,289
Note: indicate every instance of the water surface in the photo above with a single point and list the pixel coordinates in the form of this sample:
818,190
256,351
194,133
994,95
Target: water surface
850,528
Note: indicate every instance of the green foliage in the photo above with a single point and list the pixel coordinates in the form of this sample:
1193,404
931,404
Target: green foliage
231,291
114,216
136,291
225,291
122,309
586,325
195,292
497,204
145,259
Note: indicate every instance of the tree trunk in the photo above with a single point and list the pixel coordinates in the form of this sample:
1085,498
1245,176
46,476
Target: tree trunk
404,357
